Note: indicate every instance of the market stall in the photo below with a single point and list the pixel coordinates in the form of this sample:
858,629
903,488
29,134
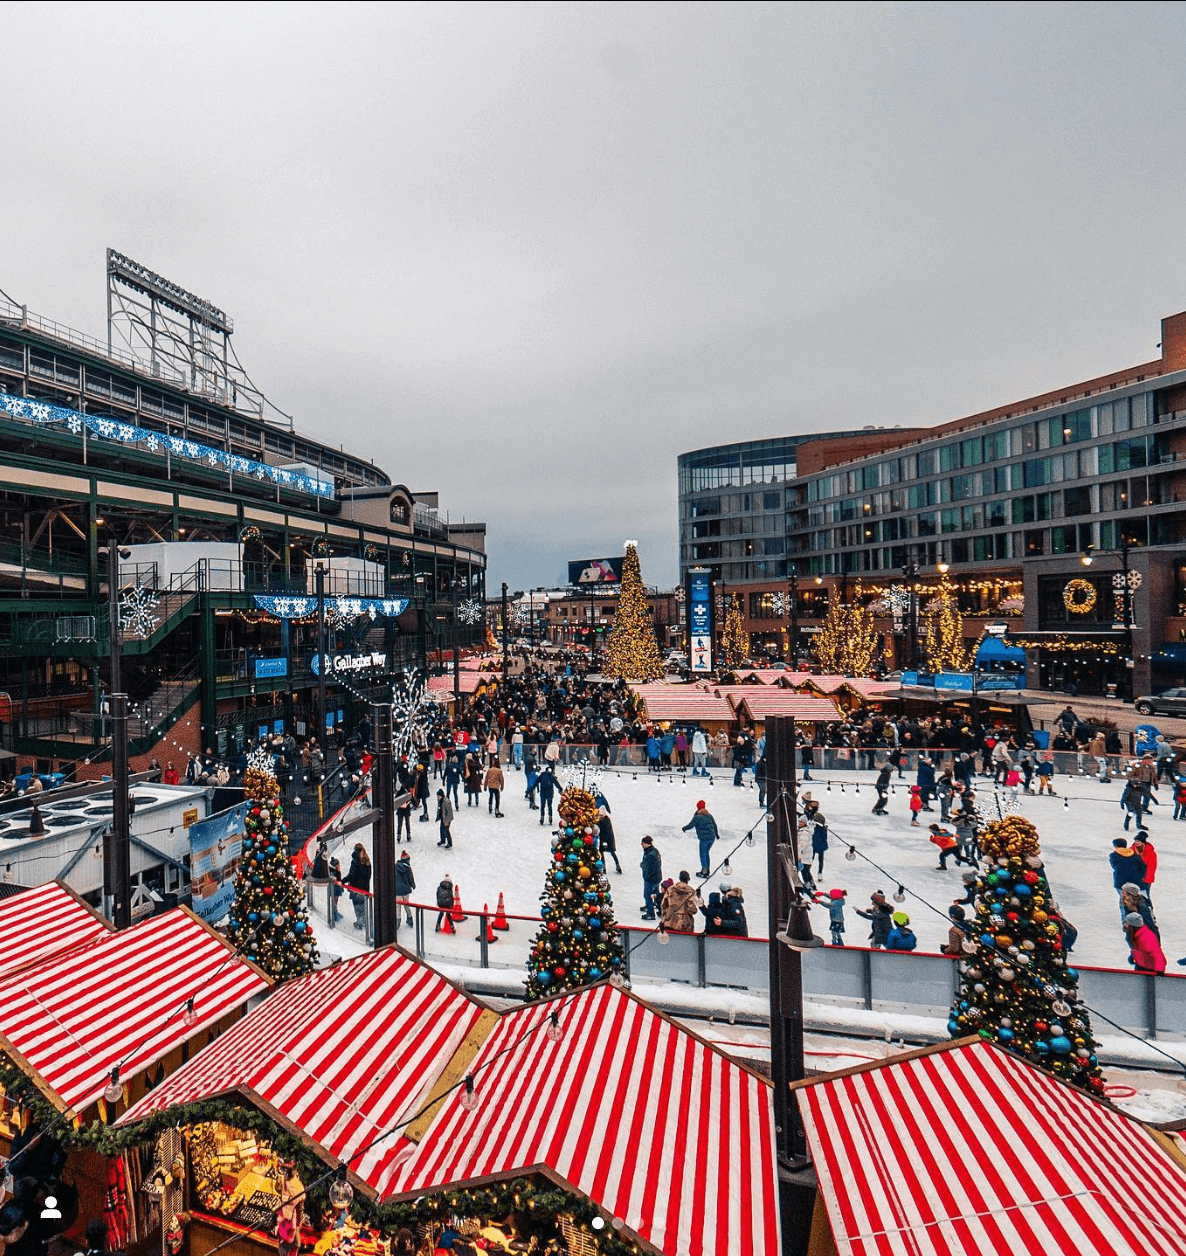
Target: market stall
42,922
755,708
964,1148
87,1030
574,1137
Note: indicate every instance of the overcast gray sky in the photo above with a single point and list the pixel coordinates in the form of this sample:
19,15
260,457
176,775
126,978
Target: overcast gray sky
526,254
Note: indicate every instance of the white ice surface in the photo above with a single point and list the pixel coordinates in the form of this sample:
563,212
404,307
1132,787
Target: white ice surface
510,855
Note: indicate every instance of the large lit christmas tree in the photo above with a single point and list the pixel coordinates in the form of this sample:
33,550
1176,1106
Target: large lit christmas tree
734,638
944,627
269,924
1015,986
631,652
578,941
847,643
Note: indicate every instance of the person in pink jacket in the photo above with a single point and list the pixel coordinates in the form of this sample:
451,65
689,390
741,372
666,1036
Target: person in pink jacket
1145,953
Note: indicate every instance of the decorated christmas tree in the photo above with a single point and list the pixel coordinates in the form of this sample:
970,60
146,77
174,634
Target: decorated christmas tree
578,941
944,627
734,638
1015,987
269,924
631,652
847,643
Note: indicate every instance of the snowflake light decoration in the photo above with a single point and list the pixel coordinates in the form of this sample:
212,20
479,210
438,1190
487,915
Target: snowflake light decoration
471,611
584,774
137,611
1134,581
897,599
778,604
262,759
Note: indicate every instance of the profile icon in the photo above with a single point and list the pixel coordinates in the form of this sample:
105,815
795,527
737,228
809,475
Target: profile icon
50,1210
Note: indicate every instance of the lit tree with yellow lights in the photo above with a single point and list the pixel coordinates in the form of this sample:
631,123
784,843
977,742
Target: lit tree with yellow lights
1015,987
847,644
631,651
578,941
944,629
269,923
734,638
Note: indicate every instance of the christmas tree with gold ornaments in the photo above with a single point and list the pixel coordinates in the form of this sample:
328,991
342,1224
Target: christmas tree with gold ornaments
631,652
944,628
1015,987
269,924
847,643
734,638
578,941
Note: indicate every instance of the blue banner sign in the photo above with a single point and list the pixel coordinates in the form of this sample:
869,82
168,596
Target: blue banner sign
215,847
700,619
268,669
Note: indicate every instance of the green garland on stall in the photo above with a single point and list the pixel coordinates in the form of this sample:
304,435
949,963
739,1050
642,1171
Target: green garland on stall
499,1199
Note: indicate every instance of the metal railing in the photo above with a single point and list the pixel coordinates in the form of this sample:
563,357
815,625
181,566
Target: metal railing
913,983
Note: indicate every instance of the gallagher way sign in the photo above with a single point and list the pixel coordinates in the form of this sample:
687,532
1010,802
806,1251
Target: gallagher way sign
346,663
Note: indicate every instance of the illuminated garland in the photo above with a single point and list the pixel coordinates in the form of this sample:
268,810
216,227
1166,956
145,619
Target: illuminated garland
250,533
1079,596
1068,645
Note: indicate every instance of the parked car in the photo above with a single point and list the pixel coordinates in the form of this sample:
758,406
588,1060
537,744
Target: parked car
1171,702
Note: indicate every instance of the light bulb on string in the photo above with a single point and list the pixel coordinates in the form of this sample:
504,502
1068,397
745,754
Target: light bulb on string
750,839
191,1015
900,894
554,1031
726,867
664,937
113,1092
598,1223
828,790
341,1193
469,1098
850,854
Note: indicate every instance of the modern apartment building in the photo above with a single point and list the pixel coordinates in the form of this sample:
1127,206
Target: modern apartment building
1010,500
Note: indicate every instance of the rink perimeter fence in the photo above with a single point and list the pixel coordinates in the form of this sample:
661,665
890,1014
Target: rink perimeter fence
913,983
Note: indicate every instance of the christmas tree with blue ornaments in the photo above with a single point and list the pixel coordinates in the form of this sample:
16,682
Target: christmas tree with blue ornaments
578,941
269,924
1016,988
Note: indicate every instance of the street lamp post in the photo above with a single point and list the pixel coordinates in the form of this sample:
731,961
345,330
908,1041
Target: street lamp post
1126,604
323,660
117,854
910,572
794,591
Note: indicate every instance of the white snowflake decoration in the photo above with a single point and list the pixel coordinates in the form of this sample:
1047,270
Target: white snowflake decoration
1134,580
897,599
471,611
262,759
584,774
778,604
75,425
137,611
153,444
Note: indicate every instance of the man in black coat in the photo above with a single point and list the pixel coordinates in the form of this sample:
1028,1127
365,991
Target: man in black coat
405,883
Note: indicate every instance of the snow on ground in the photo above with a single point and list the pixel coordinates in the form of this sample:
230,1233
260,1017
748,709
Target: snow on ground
510,855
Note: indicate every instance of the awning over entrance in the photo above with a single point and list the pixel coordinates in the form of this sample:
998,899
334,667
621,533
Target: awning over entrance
997,650
1171,654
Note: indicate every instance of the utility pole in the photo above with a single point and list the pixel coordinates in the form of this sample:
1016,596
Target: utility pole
383,793
505,632
319,585
794,616
117,858
790,934
456,650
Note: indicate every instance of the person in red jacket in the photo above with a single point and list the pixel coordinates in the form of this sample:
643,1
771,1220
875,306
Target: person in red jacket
170,777
1144,847
1145,953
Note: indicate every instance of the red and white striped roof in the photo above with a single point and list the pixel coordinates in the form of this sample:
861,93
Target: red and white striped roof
42,922
971,1150
647,1121
467,680
760,704
833,684
688,705
341,1055
120,1001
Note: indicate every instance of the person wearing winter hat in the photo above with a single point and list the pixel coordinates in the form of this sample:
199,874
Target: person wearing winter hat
901,936
706,832
678,905
836,898
1145,953
879,916
1127,867
405,883
958,931
915,805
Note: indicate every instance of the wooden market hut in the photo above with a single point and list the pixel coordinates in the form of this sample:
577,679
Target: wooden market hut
45,921
593,1097
111,1001
963,1149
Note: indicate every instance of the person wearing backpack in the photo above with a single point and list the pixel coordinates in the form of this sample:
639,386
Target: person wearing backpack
444,901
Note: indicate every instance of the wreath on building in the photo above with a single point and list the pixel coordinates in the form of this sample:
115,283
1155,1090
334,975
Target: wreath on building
1079,596
371,553
250,533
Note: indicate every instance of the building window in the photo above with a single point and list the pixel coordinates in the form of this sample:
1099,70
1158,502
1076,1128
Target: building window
1077,501
1035,542
771,501
706,506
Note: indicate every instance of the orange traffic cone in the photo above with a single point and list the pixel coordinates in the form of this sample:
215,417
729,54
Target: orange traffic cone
447,927
500,916
458,914
490,935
